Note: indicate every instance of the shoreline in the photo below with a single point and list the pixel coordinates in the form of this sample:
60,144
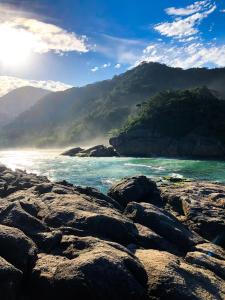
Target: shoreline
58,237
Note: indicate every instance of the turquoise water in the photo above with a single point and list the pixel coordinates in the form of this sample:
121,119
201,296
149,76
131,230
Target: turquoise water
102,172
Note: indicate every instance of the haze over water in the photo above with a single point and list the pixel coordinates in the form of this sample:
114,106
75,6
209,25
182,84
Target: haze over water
102,172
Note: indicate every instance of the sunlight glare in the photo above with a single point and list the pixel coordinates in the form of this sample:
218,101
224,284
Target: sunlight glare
16,46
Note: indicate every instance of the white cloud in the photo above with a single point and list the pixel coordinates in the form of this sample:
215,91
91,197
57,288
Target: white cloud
188,10
41,37
185,56
222,10
106,65
95,69
9,83
184,27
117,66
122,50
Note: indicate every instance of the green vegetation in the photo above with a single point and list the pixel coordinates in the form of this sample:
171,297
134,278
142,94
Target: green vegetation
90,112
180,113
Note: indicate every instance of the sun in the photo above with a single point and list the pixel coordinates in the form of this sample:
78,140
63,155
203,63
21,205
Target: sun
15,46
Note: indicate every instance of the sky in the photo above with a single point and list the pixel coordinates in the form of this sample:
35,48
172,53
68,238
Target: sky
56,44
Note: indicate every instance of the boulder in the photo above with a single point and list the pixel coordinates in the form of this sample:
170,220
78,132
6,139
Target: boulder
72,152
90,215
10,281
98,151
163,223
138,189
208,262
17,248
200,206
88,268
211,250
148,239
169,277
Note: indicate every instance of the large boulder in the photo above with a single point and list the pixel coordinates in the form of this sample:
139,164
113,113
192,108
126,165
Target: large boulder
138,189
163,223
171,278
199,205
88,268
98,151
10,281
208,262
17,248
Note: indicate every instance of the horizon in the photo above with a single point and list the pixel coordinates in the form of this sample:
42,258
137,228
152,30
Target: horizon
56,47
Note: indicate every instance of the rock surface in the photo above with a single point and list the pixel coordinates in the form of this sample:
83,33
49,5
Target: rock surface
96,151
60,240
137,189
72,152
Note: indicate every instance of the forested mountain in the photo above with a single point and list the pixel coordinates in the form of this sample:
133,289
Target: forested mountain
89,112
18,101
188,123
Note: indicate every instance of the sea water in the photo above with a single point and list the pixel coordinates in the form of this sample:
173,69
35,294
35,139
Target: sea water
101,173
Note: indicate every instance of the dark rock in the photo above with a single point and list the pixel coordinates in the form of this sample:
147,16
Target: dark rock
98,151
145,143
137,189
10,280
17,248
200,259
91,215
72,152
211,250
199,205
163,223
90,269
171,278
148,239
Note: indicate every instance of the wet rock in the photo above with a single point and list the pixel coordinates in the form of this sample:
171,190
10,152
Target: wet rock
10,280
17,248
163,223
137,189
169,277
89,268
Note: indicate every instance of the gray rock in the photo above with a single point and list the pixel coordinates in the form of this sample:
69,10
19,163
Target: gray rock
163,223
98,151
17,248
138,189
10,281
199,205
171,278
213,264
88,268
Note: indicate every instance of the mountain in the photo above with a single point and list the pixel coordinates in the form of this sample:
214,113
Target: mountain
185,123
18,101
90,112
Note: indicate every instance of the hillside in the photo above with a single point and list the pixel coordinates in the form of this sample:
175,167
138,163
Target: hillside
184,123
90,112
17,101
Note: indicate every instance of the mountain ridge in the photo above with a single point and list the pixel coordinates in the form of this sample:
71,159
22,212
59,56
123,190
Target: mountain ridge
80,114
19,100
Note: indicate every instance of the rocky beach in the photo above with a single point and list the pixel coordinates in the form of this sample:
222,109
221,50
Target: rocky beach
144,240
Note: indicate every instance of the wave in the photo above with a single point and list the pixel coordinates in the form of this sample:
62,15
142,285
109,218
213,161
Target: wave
145,166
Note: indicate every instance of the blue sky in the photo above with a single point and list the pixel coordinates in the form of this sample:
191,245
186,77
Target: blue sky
77,42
